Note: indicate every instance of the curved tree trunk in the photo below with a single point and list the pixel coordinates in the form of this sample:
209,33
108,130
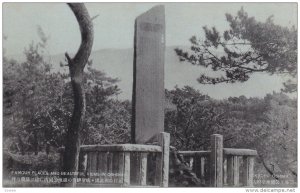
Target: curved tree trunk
76,67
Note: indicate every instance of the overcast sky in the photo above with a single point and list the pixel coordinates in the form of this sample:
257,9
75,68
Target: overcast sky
115,24
114,28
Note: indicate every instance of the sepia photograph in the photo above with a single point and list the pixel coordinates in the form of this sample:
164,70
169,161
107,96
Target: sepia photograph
136,95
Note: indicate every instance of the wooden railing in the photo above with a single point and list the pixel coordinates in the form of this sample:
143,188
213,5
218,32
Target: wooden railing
221,166
125,164
133,164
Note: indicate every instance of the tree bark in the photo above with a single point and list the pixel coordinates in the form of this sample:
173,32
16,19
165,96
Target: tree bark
76,67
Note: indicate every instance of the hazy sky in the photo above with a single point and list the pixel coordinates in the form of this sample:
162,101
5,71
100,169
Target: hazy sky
115,24
114,28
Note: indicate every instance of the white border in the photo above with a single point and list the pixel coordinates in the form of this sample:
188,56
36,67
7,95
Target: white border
133,190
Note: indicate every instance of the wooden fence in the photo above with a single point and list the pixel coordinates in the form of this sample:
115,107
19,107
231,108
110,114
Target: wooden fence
220,166
131,165
125,164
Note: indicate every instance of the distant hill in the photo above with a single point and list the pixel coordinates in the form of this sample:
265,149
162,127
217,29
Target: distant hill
118,63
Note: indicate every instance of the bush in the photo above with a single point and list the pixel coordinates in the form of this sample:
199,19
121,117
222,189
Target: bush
30,162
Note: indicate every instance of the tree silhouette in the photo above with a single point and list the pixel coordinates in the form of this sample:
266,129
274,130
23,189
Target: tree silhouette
247,47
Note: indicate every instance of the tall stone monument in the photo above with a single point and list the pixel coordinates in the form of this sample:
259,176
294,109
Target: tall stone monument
148,84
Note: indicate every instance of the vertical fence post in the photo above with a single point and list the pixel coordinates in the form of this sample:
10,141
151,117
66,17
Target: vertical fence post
202,172
126,177
135,169
93,161
121,167
225,171
143,170
233,170
216,161
162,164
248,163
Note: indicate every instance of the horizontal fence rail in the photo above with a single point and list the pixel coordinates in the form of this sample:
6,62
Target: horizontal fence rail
121,148
239,152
